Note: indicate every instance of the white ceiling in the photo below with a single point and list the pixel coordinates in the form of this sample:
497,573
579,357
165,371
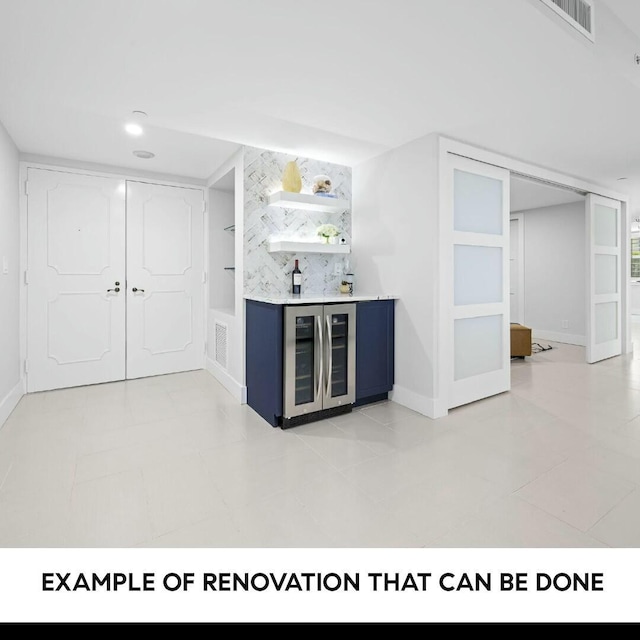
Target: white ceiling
528,194
341,81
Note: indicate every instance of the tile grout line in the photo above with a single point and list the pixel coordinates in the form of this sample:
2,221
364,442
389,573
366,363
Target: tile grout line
6,475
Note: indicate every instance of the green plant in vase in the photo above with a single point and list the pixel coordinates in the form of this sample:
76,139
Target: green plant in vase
327,231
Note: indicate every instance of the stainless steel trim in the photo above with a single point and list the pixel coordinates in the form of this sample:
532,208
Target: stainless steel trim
329,372
291,314
320,360
350,397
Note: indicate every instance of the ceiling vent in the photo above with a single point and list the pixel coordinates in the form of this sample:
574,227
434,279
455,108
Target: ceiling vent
578,13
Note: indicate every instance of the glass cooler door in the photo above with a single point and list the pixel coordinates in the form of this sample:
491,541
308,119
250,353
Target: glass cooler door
303,361
340,354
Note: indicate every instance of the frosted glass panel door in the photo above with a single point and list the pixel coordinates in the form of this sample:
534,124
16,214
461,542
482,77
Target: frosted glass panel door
479,265
604,275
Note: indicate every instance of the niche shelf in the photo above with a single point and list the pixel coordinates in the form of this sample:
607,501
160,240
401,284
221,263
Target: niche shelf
308,202
288,246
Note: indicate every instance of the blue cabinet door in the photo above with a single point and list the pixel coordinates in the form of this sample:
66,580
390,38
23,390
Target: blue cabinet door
264,359
374,350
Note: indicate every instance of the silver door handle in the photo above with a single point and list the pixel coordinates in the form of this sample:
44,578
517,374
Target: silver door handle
330,348
320,368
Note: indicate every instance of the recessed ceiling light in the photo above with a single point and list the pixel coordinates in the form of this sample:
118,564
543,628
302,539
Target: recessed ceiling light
133,129
145,155
622,179
139,114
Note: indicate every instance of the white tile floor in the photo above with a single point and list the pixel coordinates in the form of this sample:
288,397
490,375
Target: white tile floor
174,461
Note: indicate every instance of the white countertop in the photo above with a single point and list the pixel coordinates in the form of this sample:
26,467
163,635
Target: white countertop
318,298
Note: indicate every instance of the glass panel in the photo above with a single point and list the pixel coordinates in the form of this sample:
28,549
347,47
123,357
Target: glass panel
477,346
606,322
339,362
605,226
305,359
606,274
477,203
635,257
477,275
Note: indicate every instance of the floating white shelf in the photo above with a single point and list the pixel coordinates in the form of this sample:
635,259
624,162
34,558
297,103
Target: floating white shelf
287,246
306,201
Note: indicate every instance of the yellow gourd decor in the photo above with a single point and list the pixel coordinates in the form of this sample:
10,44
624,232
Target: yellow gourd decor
291,179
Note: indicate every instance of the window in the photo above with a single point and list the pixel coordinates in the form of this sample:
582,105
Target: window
635,257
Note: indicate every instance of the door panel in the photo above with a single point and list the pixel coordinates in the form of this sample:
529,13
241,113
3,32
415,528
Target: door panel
516,277
479,263
340,358
76,253
303,360
604,275
165,265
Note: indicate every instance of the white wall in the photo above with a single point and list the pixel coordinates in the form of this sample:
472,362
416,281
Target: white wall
395,251
10,376
221,250
554,272
233,378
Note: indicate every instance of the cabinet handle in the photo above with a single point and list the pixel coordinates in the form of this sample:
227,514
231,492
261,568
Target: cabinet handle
330,347
320,372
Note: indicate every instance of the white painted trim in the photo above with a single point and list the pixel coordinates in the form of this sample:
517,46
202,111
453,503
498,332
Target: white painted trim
114,172
107,170
444,339
564,338
521,264
10,401
449,145
415,402
237,390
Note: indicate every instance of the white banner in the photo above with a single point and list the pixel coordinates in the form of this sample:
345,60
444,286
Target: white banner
319,585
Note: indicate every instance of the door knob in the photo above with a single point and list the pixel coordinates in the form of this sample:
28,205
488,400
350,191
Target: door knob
135,289
117,290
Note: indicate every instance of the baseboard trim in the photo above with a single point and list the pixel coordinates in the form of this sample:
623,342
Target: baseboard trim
237,390
10,401
564,338
416,402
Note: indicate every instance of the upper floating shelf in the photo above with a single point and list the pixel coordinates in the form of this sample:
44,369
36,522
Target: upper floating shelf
306,201
288,246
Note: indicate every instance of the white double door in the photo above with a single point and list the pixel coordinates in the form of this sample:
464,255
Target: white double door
115,279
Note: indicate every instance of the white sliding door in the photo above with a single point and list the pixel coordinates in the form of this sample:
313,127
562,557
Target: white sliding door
76,286
165,285
604,274
479,280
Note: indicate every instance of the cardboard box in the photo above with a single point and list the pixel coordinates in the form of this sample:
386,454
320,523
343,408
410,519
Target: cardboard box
520,341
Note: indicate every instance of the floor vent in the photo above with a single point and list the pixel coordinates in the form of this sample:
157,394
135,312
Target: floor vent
578,13
221,344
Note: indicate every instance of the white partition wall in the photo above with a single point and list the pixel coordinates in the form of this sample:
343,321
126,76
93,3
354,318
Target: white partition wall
479,280
604,273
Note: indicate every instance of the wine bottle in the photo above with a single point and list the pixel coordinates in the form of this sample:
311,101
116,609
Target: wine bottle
296,280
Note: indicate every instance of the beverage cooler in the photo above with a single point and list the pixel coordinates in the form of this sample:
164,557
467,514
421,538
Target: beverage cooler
319,361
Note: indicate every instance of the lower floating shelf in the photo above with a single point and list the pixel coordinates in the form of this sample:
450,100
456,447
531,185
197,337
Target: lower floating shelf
287,246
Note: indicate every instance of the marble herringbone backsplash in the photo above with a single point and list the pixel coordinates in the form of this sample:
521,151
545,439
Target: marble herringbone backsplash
270,274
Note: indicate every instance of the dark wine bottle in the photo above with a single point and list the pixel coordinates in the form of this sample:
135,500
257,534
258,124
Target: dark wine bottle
296,280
